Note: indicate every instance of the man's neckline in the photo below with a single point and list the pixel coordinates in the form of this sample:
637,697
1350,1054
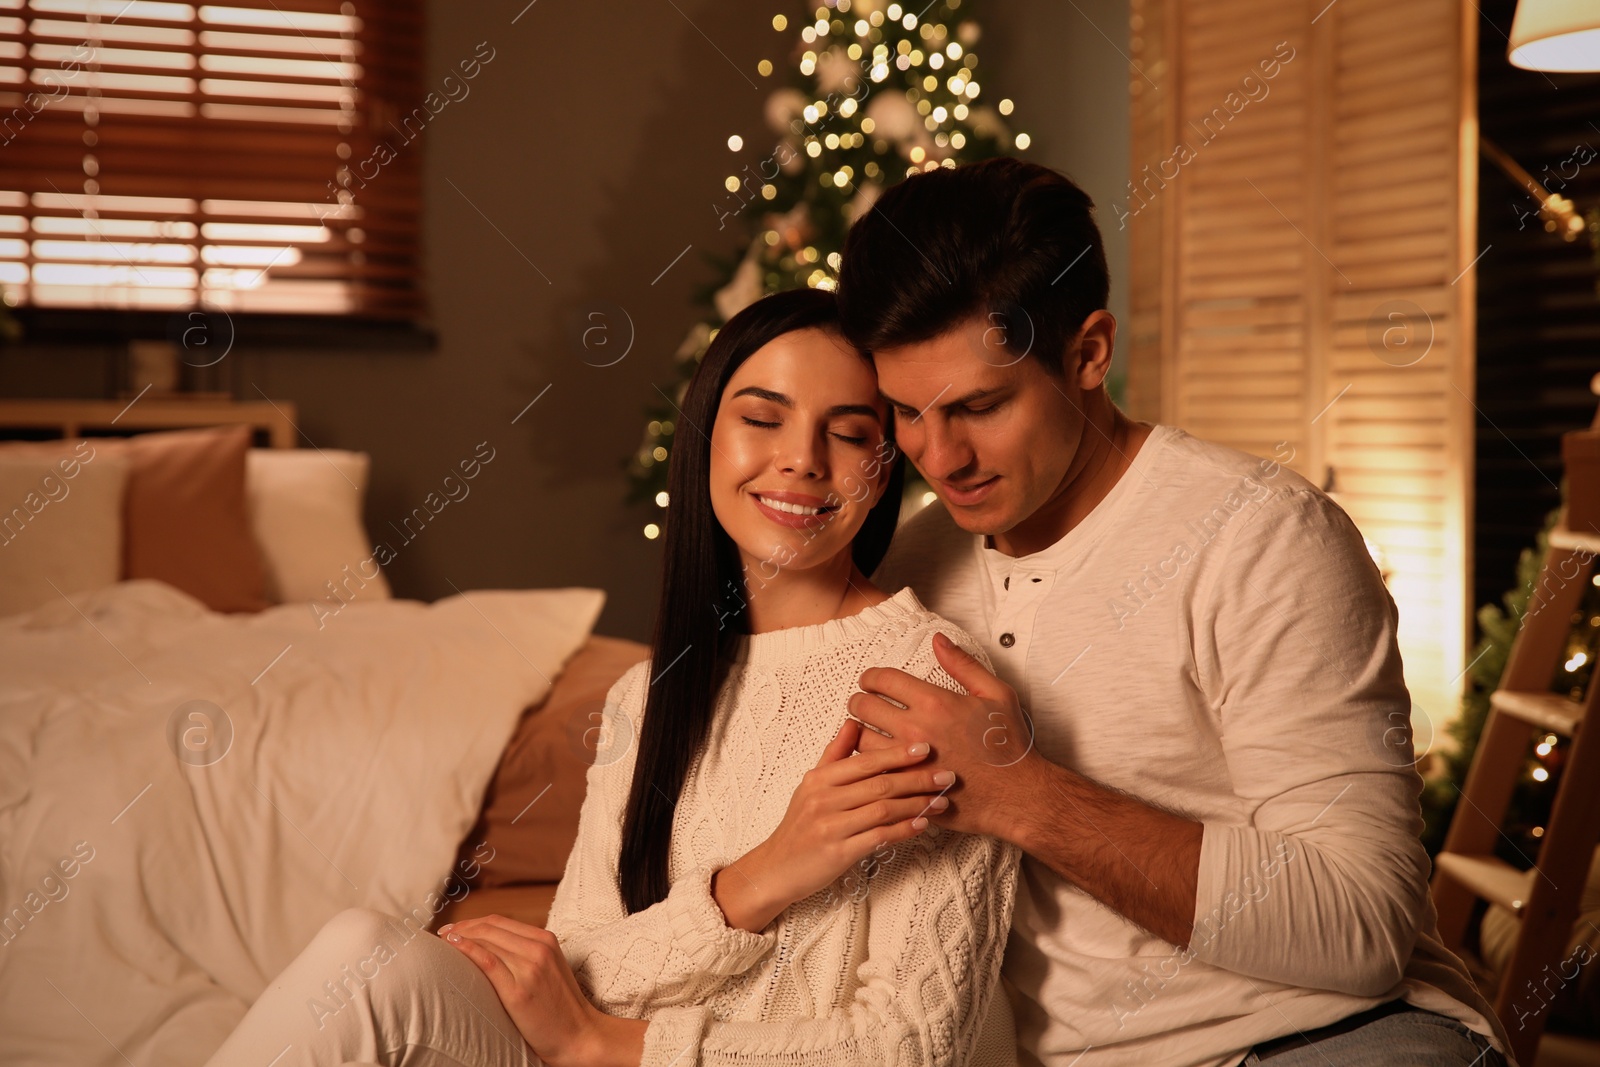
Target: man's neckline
1161,435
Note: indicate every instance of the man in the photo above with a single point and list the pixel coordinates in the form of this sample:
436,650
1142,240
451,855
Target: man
1199,734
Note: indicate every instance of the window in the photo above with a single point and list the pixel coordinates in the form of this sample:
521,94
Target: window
158,156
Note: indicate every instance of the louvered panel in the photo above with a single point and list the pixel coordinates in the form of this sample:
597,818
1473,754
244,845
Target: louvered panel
1282,344
1355,407
1240,266
1409,67
1397,124
1237,285
1426,246
1378,155
1394,438
1431,167
1379,99
1381,484
1416,220
1221,386
1265,265
1152,134
1257,154
1372,23
1307,255
1433,460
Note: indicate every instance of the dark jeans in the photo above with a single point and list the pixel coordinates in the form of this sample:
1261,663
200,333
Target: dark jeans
1392,1033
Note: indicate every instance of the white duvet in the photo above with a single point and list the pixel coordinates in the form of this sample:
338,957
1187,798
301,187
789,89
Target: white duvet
155,874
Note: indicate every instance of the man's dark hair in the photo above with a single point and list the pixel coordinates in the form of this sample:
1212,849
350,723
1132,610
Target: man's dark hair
1012,242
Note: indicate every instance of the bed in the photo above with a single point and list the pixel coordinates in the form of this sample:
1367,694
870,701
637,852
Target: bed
196,773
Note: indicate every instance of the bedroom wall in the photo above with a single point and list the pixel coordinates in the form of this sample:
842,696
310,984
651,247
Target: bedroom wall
588,155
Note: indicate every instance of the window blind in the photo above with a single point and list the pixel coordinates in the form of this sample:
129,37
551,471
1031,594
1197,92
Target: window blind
158,155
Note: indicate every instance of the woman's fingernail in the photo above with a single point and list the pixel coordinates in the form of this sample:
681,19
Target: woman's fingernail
445,929
945,778
453,937
939,803
919,823
918,749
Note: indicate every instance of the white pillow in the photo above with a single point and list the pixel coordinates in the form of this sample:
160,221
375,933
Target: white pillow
61,523
305,510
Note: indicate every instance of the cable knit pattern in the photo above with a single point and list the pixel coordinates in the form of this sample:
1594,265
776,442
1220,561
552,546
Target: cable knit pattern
897,962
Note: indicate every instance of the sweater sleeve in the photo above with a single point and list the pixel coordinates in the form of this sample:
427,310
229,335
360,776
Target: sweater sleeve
938,912
1296,647
672,952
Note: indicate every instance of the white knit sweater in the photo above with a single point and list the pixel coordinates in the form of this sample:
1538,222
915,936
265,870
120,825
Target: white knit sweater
898,962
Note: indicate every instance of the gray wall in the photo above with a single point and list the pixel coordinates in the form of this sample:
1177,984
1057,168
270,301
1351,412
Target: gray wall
594,146
1066,66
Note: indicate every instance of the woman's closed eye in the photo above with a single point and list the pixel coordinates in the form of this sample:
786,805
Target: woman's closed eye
847,438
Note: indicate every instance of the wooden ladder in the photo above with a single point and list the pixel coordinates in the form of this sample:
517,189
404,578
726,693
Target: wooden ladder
1545,899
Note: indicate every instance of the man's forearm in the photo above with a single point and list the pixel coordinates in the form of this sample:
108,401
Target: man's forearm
1140,861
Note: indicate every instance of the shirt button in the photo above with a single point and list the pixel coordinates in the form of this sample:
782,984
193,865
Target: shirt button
1007,640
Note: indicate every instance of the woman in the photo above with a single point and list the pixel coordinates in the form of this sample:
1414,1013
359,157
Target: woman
732,898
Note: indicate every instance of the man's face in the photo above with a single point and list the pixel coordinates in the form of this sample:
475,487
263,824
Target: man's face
993,433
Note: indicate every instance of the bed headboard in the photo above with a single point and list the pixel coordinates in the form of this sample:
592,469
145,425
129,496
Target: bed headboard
275,419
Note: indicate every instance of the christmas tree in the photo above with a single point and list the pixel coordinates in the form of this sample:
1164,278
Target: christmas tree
865,95
1534,796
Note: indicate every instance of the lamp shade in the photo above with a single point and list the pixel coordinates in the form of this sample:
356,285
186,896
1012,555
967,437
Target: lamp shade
1556,35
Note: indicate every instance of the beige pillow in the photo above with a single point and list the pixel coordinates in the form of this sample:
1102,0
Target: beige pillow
530,811
305,512
184,516
60,522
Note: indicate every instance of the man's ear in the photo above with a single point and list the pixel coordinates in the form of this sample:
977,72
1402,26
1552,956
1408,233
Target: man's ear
1093,346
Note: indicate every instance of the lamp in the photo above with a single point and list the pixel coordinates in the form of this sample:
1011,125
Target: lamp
1561,35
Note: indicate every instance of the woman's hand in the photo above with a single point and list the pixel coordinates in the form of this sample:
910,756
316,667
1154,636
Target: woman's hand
845,808
540,993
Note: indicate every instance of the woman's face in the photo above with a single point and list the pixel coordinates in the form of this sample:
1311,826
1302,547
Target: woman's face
798,452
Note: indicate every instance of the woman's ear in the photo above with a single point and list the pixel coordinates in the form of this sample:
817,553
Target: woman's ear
889,455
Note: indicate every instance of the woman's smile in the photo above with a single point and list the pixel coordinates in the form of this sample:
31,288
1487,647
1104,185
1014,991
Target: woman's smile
799,510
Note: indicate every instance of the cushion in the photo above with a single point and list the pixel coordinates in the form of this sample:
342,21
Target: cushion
305,512
530,809
60,521
525,903
186,521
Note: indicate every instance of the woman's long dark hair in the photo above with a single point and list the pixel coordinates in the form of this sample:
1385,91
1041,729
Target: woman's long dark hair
701,613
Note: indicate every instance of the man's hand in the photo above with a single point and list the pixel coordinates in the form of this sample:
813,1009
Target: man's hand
984,736
1138,860
535,984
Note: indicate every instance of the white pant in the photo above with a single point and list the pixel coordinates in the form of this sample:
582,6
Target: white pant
370,989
